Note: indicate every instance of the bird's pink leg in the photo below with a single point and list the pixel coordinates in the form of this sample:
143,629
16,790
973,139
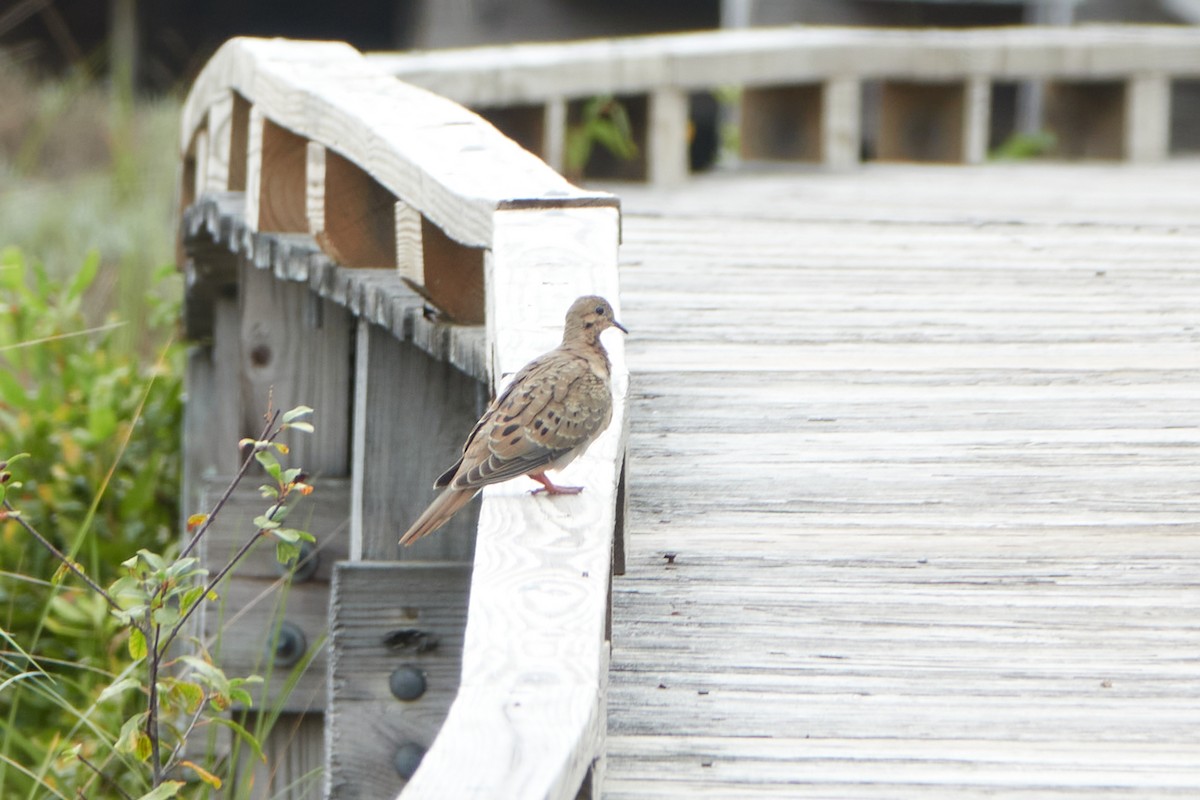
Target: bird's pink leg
549,487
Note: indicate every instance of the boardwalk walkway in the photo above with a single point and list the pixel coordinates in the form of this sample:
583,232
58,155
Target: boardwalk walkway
916,486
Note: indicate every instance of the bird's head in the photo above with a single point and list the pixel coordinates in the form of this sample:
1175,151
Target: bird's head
588,317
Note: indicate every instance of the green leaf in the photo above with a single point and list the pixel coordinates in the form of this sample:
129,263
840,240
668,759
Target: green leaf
164,790
306,427
269,462
264,523
286,552
190,695
244,735
137,644
296,413
84,277
165,616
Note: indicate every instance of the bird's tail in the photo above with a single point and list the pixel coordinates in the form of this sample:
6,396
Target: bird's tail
439,512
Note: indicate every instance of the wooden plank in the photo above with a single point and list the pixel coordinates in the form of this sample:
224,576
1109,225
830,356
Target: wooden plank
416,414
530,713
433,154
667,136
358,225
368,725
841,122
769,56
1147,117
295,350
949,549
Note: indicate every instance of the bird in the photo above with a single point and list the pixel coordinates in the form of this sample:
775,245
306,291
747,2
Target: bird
553,408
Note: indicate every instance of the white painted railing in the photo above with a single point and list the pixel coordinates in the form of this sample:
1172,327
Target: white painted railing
1115,78
390,180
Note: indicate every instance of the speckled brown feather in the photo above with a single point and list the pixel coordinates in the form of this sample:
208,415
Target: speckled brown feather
551,411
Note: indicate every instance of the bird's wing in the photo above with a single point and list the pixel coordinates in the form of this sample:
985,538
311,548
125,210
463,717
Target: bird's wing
554,406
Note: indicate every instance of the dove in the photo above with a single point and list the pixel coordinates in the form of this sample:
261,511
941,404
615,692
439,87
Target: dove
553,408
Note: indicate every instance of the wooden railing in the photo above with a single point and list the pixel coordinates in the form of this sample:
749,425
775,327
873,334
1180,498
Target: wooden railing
324,203
1108,96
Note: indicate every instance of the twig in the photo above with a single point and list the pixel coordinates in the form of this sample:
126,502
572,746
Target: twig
267,435
68,563
106,779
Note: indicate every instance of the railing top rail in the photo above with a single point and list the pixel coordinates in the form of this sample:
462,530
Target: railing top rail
430,152
758,56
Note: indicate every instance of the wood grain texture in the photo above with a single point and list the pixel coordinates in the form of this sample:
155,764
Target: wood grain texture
295,350
530,713
416,414
367,723
435,155
912,486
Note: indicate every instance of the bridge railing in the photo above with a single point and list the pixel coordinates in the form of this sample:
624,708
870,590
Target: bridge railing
382,254
1107,89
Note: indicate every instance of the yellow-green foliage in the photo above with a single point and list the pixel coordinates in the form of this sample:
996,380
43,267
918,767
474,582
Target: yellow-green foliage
101,426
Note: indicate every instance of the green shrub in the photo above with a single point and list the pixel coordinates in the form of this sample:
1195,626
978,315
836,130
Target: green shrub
102,480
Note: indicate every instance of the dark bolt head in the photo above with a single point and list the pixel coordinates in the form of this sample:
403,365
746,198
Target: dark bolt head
407,682
290,646
407,758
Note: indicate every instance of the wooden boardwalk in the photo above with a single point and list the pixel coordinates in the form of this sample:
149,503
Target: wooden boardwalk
915,486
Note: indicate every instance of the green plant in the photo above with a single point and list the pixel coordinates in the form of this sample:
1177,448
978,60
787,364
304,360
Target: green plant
1021,146
605,122
177,694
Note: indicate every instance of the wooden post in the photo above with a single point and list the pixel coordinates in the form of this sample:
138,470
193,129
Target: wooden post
977,115
1147,117
841,121
1088,117
667,136
555,131
922,121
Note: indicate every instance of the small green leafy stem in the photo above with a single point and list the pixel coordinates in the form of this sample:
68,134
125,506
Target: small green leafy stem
155,599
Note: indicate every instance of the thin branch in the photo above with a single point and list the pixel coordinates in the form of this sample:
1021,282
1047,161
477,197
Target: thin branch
153,664
105,778
267,435
68,563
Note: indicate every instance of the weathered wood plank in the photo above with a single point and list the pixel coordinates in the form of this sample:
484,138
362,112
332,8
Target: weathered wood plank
530,712
428,151
914,506
416,414
370,729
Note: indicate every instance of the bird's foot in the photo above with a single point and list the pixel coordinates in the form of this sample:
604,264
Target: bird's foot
549,487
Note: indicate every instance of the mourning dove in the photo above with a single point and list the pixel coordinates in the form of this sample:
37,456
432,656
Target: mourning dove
551,411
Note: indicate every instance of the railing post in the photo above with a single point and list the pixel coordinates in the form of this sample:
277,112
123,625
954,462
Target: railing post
667,137
1147,117
841,125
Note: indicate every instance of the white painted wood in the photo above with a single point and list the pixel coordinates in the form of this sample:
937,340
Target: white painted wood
433,154
555,133
1147,117
200,149
314,188
841,121
533,73
977,116
254,152
667,136
529,716
220,132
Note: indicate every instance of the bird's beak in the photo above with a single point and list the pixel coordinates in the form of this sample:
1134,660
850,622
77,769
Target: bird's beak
620,327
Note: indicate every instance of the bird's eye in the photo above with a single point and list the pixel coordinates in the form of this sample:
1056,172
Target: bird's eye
600,310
